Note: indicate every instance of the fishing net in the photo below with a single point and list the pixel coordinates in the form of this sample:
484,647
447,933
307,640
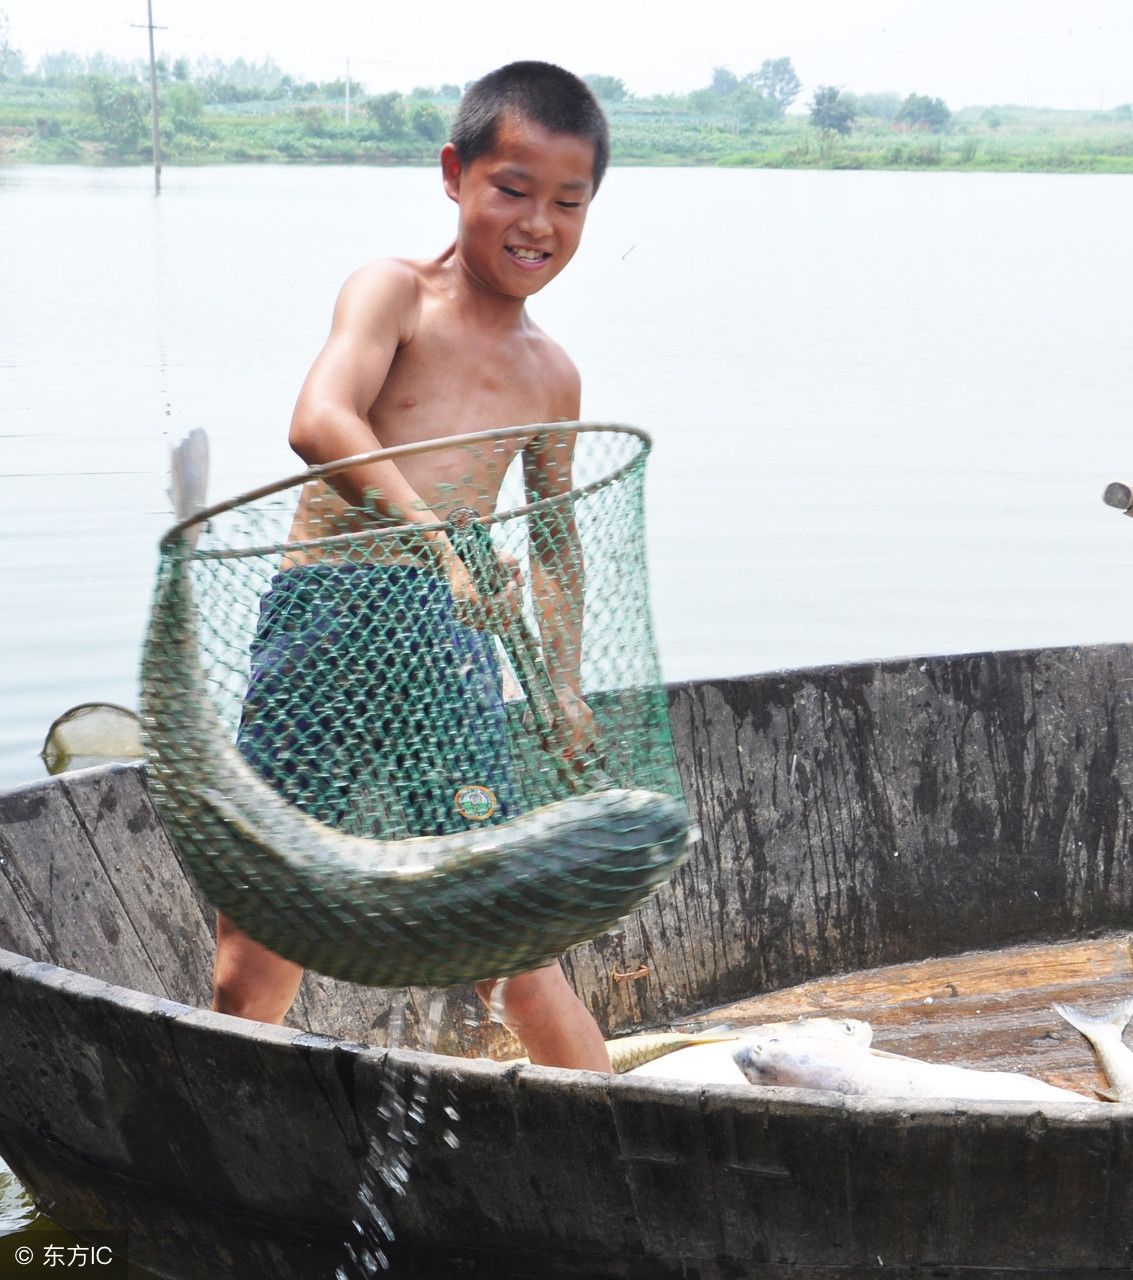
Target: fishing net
397,769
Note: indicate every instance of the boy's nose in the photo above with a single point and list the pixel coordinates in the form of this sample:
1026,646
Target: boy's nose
536,222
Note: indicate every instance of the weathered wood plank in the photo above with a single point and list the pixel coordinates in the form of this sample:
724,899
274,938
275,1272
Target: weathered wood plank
58,880
666,1162
130,841
562,1111
258,1103
20,931
864,815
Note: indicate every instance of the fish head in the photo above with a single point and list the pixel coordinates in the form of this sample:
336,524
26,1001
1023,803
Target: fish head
852,1030
797,1061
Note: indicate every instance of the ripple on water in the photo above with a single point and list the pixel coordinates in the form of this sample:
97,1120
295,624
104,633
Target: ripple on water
16,1208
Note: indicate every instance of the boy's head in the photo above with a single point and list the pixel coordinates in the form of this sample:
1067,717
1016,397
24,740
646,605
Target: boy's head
535,91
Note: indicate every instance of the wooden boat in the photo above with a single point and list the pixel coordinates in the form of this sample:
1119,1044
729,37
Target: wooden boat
941,845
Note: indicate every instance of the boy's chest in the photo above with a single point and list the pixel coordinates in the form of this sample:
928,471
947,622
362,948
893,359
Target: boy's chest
469,385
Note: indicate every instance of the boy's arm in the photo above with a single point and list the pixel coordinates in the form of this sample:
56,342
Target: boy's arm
558,572
375,314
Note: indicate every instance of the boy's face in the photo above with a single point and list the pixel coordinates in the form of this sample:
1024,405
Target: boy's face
522,205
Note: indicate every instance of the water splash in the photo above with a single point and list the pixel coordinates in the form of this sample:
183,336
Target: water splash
402,1115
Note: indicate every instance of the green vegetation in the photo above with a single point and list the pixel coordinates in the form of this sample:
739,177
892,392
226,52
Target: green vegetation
96,110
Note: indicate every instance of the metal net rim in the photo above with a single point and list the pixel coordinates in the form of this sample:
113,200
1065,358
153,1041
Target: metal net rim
391,453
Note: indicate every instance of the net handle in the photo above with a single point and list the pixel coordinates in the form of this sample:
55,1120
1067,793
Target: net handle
325,469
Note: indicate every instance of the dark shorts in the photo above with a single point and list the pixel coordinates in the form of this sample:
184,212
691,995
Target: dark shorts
370,707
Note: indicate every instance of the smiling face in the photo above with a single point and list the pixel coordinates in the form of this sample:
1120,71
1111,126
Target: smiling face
522,205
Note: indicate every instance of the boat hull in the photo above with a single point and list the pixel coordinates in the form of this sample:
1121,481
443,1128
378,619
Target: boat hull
852,817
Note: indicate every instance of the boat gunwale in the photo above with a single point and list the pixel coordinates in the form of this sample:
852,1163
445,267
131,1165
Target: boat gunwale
745,1098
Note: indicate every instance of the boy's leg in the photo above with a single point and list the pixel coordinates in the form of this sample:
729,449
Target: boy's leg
556,1028
248,980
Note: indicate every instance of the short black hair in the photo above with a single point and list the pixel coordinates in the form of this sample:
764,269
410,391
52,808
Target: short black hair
538,91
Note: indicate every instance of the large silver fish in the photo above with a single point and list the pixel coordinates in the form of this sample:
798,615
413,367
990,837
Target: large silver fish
1104,1028
844,1067
430,911
711,1060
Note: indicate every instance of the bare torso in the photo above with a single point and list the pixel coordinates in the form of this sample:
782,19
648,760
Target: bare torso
452,376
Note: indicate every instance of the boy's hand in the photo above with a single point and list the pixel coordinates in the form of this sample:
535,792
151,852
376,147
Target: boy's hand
479,611
574,732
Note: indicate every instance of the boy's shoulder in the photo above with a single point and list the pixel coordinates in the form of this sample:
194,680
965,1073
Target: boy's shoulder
382,295
555,364
386,277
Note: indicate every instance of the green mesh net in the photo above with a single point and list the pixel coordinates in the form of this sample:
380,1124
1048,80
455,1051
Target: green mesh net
396,770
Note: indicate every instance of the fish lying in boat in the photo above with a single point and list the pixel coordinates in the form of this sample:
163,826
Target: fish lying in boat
711,1061
627,1053
800,1062
1104,1028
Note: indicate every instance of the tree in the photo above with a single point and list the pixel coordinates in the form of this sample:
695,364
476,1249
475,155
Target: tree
724,82
831,111
11,59
607,88
924,113
427,122
777,81
60,68
121,111
182,111
753,106
388,113
881,106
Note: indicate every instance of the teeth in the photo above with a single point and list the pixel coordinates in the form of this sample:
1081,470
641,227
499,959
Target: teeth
531,255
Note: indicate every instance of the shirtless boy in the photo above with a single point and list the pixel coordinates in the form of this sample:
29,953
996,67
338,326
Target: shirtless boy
424,349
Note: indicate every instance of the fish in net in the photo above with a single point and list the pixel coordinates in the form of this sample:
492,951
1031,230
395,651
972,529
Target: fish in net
377,780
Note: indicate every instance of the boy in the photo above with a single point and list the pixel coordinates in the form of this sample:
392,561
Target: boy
420,350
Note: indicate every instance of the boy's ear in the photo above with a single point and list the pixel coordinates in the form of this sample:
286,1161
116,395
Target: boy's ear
451,170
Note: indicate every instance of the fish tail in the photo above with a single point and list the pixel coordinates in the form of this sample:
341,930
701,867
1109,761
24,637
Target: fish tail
1087,1020
188,474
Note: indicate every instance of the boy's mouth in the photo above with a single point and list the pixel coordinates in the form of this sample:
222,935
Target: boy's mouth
529,257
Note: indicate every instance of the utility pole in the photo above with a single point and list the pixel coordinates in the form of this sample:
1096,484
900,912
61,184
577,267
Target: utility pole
153,104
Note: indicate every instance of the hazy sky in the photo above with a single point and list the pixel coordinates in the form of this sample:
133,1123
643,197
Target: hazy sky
1073,53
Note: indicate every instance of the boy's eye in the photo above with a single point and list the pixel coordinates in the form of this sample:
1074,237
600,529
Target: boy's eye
508,191
569,204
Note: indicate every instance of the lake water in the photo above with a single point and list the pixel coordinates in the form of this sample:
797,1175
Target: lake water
884,404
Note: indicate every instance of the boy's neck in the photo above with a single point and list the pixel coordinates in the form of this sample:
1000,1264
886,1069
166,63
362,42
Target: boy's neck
476,300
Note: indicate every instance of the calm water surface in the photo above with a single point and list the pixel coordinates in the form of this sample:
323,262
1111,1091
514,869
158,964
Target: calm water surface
884,405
